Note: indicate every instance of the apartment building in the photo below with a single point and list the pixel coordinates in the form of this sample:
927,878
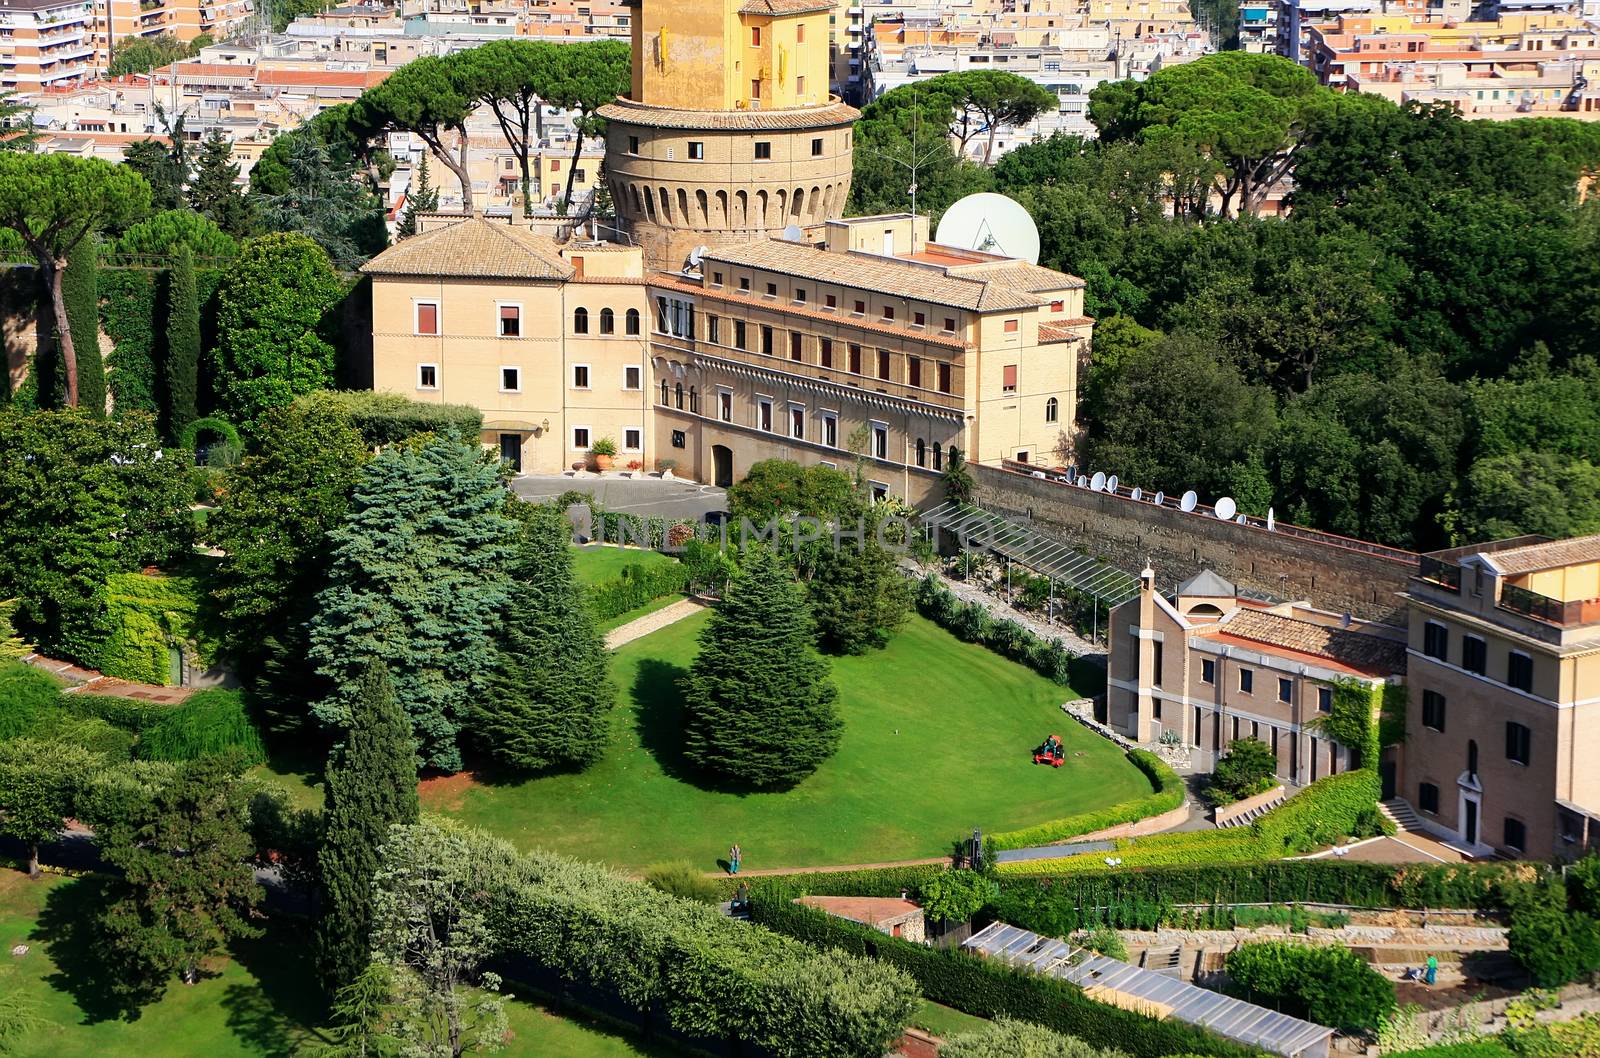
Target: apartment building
1216,665
550,342
1504,680
46,43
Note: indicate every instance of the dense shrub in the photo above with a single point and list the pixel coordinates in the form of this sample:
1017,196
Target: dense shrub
955,896
1552,941
1245,770
1018,1039
384,418
989,989
130,714
28,697
636,586
971,622
682,878
1169,794
209,722
655,532
1330,985
148,615
1475,1049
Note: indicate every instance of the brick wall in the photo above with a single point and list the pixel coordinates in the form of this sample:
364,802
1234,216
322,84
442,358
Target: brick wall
1125,532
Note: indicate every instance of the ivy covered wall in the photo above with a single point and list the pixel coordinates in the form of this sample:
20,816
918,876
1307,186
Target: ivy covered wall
149,615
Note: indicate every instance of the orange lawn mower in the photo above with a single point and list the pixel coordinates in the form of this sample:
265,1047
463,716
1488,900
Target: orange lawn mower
1051,752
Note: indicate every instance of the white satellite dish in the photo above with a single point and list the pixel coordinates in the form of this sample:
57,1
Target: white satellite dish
1190,498
1225,508
1272,522
1097,482
1160,499
1111,483
990,223
1082,482
1243,519
1138,493
697,255
792,233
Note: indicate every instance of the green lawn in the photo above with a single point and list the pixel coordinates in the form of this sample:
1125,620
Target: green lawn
259,1004
637,612
944,1021
597,562
938,735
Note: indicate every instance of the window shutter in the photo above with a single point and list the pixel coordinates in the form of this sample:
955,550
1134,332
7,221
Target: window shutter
427,319
1010,376
509,312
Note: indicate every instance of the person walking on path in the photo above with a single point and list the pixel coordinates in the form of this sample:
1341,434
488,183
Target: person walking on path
735,854
1433,968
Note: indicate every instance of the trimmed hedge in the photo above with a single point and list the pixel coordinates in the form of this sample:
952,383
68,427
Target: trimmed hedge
1169,794
130,714
990,989
971,622
637,586
385,418
655,532
210,722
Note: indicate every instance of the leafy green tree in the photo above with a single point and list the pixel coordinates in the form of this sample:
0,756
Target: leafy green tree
1118,340
171,909
138,54
1552,942
271,306
214,193
1242,771
759,701
582,79
431,930
80,291
1331,986
183,345
54,202
549,702
152,159
903,140
361,1014
957,478
324,200
955,896
426,98
278,506
162,234
509,77
422,197
859,598
346,133
39,780
1527,492
428,609
777,488
16,124
982,102
371,786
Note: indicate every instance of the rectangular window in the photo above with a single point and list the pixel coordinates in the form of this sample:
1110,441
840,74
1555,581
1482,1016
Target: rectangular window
919,319
797,422
1519,671
1324,699
888,312
855,359
1208,671
1428,798
830,431
632,439
580,437
1008,378
580,376
772,290
633,145
799,295
1516,834
1474,654
1433,707
427,317
766,340
764,414
883,363
697,150
1285,689
880,442
510,321
427,376
510,380
861,308
825,352
1435,640
1011,326
830,301
949,325
1157,660
713,329
763,150
755,36
816,147
680,439
1519,742
1056,306
1247,681
797,345
725,406
716,279
738,334
744,283
944,378
631,377
913,371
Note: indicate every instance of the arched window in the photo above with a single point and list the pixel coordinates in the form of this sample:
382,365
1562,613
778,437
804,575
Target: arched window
632,321
580,320
938,457
608,323
664,391
922,452
1052,410
694,400
677,391
1472,756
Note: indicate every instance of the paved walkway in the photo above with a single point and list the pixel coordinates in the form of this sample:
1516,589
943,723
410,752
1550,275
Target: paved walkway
765,871
643,626
90,681
646,496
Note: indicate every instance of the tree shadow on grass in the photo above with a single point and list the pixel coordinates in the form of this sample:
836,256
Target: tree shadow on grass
660,720
86,968
275,1014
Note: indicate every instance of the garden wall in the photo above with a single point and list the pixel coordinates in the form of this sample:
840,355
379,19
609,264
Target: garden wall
1335,574
20,332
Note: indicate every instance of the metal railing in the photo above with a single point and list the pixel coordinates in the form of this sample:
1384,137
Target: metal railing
1446,575
1566,614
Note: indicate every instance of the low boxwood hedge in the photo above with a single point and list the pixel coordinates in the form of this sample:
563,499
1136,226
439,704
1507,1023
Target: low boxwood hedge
1169,793
639,585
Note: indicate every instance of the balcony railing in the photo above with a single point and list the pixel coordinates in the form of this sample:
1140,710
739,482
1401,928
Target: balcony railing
1571,614
1445,575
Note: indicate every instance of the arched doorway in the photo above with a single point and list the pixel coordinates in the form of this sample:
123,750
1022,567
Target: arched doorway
722,466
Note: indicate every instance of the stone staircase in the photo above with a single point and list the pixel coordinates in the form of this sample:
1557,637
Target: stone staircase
1252,809
1399,812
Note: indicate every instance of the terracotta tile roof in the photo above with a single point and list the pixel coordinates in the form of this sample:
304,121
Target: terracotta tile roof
832,113
1357,650
1036,279
473,249
884,275
872,910
784,7
1552,555
1064,330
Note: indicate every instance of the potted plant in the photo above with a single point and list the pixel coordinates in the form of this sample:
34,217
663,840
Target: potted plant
604,452
665,466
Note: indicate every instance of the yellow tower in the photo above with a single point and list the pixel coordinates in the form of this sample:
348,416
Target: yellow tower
728,131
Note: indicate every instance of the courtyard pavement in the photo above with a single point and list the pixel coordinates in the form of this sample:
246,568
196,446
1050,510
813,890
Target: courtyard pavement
646,497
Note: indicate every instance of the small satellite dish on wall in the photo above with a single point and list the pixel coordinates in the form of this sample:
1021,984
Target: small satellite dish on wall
1111,483
1097,482
792,233
1138,493
1272,523
1226,508
1243,519
1160,498
1190,498
1082,482
990,223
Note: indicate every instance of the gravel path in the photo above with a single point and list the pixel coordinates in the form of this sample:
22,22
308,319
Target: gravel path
643,626
997,606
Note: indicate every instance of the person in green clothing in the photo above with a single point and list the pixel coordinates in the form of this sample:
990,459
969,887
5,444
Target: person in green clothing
1433,968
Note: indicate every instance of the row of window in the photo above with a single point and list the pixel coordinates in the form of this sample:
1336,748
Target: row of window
1247,683
1519,738
511,377
426,320
632,439
761,152
1268,733
1475,655
1515,831
887,313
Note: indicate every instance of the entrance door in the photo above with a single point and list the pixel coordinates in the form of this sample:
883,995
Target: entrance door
1469,821
1386,776
511,450
722,466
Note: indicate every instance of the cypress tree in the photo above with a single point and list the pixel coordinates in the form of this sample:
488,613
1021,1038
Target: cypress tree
80,291
183,344
371,785
549,700
760,704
